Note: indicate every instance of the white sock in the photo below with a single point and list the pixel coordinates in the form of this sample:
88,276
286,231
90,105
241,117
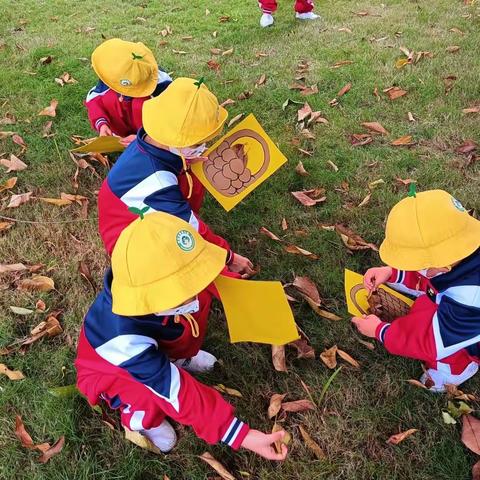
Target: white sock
266,20
307,16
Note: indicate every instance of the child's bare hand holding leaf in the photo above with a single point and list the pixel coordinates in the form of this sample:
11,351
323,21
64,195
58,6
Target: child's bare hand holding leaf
376,276
367,324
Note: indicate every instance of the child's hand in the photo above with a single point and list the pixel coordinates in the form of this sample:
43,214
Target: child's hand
241,265
374,277
126,141
104,130
262,444
367,325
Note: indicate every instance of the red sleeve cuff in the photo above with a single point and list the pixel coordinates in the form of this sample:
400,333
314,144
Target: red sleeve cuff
393,276
235,433
381,330
241,436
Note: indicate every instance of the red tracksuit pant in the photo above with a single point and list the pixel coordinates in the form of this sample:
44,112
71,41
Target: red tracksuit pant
301,6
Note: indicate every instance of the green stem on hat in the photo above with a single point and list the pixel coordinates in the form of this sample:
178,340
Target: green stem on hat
138,211
412,191
136,57
198,83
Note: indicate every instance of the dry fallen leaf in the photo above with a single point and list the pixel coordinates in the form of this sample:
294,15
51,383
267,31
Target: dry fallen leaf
471,433
261,81
235,119
59,202
365,201
308,289
375,127
321,312
300,251
297,406
213,65
53,450
12,267
228,391
465,110
404,141
227,102
416,383
329,357
305,198
284,441
244,95
345,356
14,164
344,90
141,441
8,184
360,139
304,112
269,234
352,240
284,224
341,63
217,466
11,374
395,92
39,283
22,434
278,358
476,471
21,310
453,48
6,225
50,111
20,199
275,404
400,437
309,90
311,444
411,118
304,350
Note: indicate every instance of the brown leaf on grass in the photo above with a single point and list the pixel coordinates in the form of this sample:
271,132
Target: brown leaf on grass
51,110
298,406
65,79
300,169
375,127
316,117
309,90
141,441
449,83
6,225
39,283
304,350
360,139
6,134
278,358
84,271
46,60
179,52
400,437
20,199
47,128
320,311
308,134
11,374
244,95
14,164
284,224
411,118
55,449
471,433
284,441
465,110
329,357
344,90
300,251
213,65
306,199
8,119
227,391
405,141
40,306
395,92
366,200
217,466
341,63
404,181
19,141
269,234
416,383
305,152
227,102
311,443
8,184
453,48
235,119
12,267
454,392
275,404
308,289
51,327
352,240
304,112
297,86
467,147
368,345
59,202
332,165
227,52
261,81
345,356
22,434
344,29
224,18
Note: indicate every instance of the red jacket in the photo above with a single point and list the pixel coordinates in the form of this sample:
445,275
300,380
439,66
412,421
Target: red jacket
122,114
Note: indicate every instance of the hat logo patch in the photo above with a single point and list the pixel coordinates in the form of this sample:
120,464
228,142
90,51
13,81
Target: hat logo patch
125,82
185,240
458,205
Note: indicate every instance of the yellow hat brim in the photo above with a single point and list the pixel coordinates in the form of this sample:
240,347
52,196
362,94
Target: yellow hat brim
172,291
443,254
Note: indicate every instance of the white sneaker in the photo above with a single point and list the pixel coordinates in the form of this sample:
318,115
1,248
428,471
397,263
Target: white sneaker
307,16
266,20
440,379
163,437
202,362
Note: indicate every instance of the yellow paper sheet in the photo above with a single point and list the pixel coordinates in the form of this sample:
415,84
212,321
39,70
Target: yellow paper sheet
238,163
106,144
256,311
356,294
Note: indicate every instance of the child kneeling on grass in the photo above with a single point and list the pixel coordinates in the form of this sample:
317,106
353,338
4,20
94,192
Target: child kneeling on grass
129,75
143,335
432,248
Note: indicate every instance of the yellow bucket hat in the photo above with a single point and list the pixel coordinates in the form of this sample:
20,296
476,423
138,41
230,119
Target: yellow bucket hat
128,68
185,114
159,262
428,230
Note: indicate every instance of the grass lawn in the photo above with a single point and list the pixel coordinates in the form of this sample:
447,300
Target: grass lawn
362,408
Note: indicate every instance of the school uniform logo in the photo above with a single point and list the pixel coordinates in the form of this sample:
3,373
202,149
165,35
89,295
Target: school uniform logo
185,240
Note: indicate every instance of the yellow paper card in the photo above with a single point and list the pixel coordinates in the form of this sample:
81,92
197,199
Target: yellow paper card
357,294
238,163
106,144
256,311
